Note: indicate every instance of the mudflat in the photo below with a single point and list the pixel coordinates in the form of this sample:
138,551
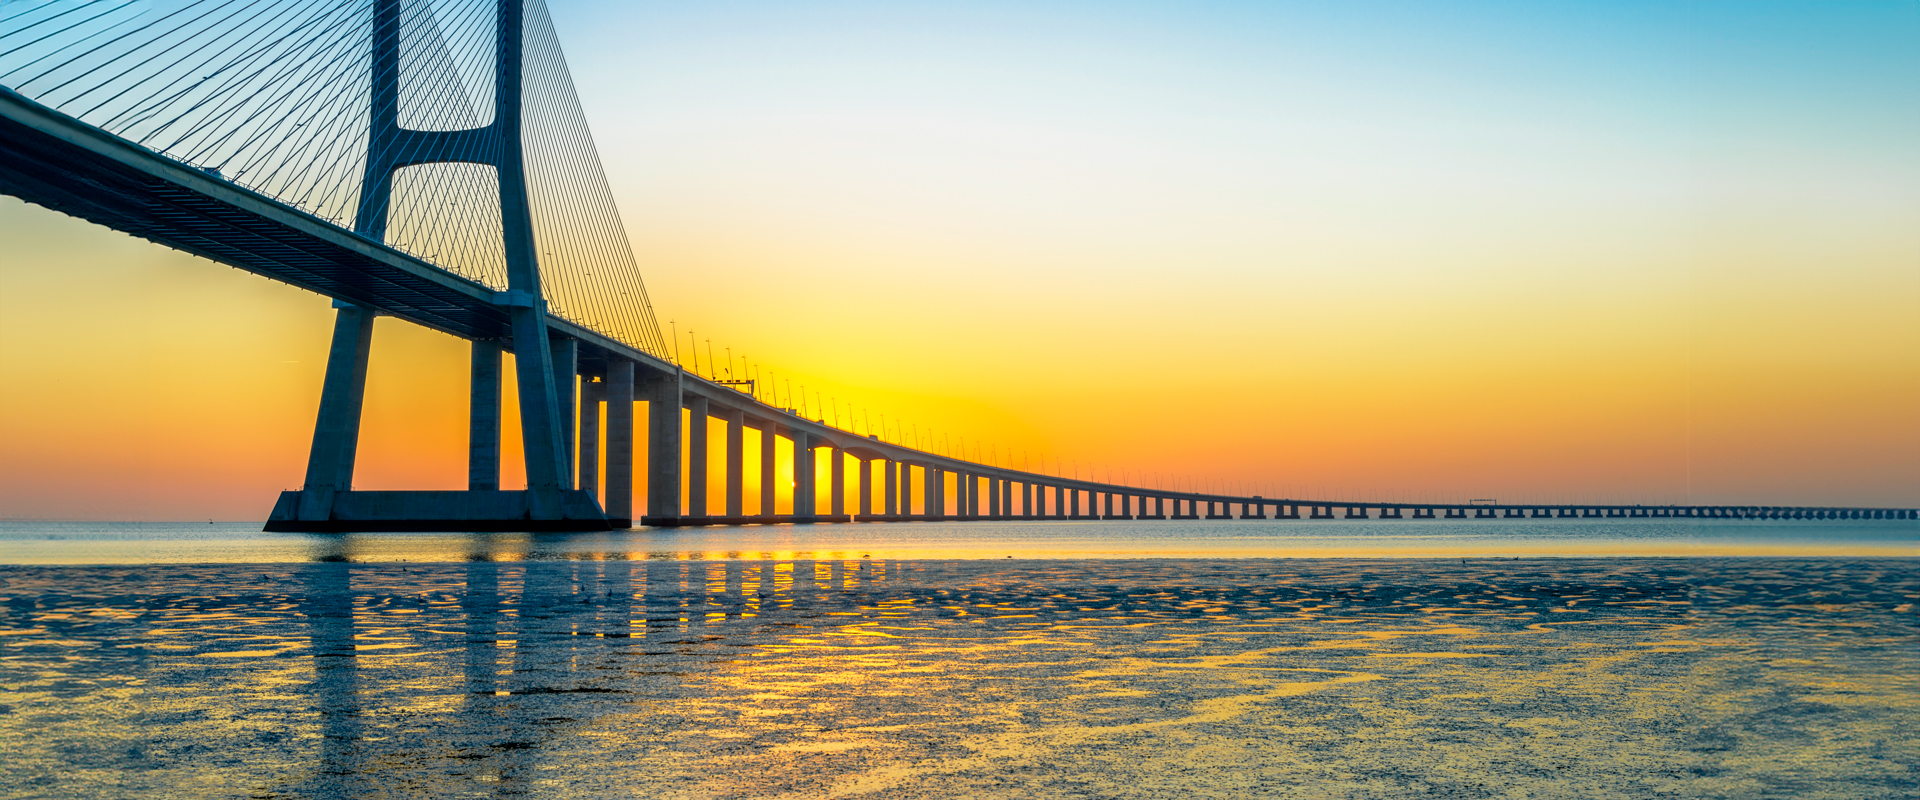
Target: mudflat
598,673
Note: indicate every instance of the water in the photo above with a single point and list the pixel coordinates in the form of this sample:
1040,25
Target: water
1101,660
244,543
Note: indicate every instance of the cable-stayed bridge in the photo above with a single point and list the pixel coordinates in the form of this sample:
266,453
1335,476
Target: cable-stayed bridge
429,160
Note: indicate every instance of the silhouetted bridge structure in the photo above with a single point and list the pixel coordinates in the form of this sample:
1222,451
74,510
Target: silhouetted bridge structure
428,161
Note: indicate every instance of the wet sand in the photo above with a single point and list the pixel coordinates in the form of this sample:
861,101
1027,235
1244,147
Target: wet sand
599,675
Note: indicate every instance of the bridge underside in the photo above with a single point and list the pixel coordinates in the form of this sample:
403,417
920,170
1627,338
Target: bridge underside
51,160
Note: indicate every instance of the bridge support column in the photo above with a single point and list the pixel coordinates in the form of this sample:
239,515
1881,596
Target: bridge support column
837,493
905,498
483,418
592,394
619,502
565,354
663,450
930,494
545,369
697,467
805,492
891,469
736,457
863,475
539,411
769,458
336,433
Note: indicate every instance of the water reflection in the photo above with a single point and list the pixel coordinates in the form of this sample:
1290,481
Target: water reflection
512,674
152,543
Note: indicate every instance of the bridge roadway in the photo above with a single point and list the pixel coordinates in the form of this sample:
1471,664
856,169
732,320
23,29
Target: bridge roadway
56,161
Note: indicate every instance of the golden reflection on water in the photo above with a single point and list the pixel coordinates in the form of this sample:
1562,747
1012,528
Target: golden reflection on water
145,543
871,677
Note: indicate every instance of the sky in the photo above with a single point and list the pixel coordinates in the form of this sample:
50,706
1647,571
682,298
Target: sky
1567,252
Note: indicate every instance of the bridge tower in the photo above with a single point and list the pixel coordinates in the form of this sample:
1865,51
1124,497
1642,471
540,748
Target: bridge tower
544,369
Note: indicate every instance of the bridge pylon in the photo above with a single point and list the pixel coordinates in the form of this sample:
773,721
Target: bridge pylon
544,366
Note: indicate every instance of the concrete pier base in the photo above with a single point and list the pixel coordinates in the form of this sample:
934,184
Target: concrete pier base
442,511
778,519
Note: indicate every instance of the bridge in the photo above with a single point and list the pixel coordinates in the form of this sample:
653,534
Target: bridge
427,160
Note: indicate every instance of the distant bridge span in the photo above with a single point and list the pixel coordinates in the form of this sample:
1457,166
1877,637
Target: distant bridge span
63,163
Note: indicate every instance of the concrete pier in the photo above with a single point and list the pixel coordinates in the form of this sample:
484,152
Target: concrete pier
336,431
736,462
837,473
619,494
564,353
697,436
483,418
864,477
891,469
438,511
769,487
805,491
930,495
1185,508
664,402
592,396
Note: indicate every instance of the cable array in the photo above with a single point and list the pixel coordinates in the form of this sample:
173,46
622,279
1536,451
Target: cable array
280,96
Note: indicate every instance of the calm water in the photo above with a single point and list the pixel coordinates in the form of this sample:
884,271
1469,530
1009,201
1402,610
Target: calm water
244,543
1556,659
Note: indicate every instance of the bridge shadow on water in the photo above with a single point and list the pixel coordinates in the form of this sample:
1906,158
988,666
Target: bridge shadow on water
532,669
